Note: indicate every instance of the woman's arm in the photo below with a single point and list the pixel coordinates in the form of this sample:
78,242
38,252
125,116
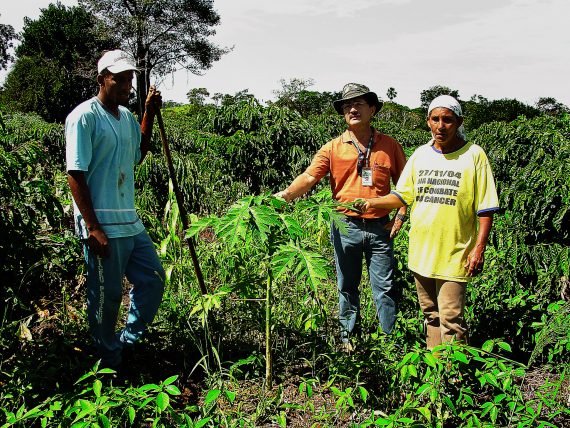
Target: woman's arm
476,258
387,202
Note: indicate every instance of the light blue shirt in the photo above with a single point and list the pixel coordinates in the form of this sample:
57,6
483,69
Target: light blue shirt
106,149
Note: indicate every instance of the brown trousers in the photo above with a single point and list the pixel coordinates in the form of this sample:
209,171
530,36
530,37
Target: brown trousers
442,303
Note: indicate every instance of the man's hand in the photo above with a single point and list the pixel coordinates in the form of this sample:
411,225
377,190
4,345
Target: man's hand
285,194
98,243
153,100
475,261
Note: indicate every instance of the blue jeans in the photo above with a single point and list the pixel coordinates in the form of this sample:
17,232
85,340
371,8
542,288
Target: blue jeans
135,258
368,238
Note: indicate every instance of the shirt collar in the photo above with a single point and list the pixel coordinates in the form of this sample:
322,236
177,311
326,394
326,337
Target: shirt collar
346,136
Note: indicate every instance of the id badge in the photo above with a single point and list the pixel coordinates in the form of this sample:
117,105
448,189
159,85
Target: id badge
367,176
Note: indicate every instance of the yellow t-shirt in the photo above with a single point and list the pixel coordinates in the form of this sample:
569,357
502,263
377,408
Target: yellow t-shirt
446,192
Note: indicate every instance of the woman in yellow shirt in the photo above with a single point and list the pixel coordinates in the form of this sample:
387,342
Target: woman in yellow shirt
449,187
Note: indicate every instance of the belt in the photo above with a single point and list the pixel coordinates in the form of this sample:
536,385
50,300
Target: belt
385,219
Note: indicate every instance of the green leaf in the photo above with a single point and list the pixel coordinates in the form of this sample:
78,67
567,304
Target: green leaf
488,346
198,226
292,226
132,414
430,360
97,387
172,390
230,395
505,346
233,227
422,388
211,396
449,404
202,422
264,218
363,393
148,387
460,356
170,380
104,420
311,268
162,401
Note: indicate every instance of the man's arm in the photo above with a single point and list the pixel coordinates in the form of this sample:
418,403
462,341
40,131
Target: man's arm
97,240
300,185
476,258
152,102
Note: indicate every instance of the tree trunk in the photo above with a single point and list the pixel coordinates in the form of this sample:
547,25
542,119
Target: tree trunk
141,93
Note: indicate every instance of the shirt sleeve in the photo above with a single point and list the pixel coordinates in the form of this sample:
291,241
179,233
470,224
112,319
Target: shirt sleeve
406,185
321,164
398,163
486,198
78,141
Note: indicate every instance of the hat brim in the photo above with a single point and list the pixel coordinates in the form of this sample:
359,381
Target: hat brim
115,69
370,97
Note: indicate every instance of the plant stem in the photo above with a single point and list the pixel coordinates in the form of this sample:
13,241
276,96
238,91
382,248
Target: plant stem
268,362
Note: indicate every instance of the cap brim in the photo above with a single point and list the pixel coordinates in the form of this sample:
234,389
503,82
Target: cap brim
115,69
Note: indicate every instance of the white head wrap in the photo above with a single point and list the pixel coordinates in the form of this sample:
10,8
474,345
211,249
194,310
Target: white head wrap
448,102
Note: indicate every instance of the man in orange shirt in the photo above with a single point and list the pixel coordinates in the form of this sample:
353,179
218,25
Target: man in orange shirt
361,163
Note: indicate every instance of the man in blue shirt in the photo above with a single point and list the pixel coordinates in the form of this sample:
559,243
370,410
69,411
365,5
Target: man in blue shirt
104,143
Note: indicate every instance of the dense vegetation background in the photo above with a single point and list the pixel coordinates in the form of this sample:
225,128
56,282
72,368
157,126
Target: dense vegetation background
270,279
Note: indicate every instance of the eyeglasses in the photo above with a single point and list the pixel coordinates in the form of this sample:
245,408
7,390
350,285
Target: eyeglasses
360,163
357,104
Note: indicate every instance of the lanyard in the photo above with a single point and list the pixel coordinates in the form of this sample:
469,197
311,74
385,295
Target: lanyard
365,158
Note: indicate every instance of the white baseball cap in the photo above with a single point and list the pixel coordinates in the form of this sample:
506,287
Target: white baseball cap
115,61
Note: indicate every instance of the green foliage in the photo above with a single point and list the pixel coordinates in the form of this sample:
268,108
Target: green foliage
432,92
197,95
56,62
7,37
295,95
479,111
549,105
33,253
515,371
531,235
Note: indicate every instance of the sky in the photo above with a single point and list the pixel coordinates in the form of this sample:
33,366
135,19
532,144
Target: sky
494,48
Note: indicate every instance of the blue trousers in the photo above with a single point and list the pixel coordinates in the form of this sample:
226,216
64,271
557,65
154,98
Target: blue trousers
369,239
135,258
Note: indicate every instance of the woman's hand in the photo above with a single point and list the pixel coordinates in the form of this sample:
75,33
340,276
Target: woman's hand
394,226
361,204
475,261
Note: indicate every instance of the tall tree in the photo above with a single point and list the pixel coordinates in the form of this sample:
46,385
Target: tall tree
295,95
56,62
7,37
551,106
197,96
162,35
429,94
479,110
391,93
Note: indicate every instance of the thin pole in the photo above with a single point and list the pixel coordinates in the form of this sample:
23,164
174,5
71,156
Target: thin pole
180,201
268,359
